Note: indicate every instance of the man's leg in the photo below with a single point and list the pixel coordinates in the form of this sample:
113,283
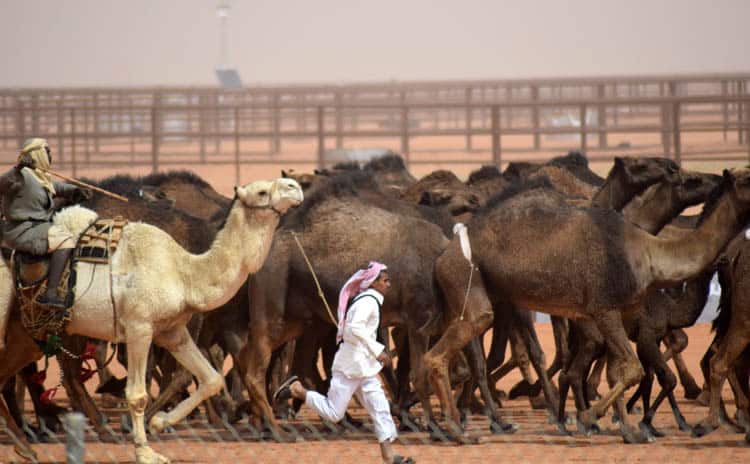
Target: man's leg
372,397
333,406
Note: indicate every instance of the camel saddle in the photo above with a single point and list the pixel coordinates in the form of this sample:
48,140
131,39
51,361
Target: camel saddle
95,245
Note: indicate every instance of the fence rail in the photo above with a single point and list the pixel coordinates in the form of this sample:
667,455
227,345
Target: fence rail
160,126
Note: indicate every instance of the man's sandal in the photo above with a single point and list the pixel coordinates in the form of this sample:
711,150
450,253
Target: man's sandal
283,393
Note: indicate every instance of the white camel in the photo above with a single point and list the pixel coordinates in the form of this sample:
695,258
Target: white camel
156,286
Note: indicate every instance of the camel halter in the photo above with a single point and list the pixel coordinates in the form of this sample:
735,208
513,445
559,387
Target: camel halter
315,278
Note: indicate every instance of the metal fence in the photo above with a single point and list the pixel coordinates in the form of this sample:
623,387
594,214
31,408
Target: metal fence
486,121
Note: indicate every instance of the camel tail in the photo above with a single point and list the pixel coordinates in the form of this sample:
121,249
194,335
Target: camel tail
720,325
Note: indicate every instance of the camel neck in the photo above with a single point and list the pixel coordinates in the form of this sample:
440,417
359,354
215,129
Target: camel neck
239,249
678,259
612,194
656,211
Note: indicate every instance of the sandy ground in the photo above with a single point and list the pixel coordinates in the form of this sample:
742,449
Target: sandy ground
536,440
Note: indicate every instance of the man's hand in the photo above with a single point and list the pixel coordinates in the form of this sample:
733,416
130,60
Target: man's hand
81,194
25,161
384,359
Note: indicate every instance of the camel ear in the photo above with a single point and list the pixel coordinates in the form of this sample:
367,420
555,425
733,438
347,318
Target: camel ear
619,161
284,174
727,174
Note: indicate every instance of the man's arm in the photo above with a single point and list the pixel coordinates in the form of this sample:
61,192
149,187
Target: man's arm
356,331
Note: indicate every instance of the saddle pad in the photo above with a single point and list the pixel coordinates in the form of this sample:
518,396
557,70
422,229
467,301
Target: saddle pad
100,240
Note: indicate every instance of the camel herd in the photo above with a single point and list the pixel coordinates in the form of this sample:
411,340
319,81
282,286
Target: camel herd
199,277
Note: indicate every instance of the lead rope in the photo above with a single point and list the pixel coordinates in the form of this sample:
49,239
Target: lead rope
460,230
468,289
315,278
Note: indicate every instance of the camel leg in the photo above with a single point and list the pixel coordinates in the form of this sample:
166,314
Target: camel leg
139,342
254,359
728,350
432,368
595,378
525,325
20,445
475,357
179,342
586,345
676,341
648,350
624,370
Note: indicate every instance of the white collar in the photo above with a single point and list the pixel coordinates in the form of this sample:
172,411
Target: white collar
371,291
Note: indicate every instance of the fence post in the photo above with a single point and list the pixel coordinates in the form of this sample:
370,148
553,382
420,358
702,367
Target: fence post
155,140
202,102
60,130
276,124
469,114
602,117
405,133
321,139
582,116
724,109
73,141
496,147
75,446
20,123
236,145
747,128
676,131
96,123
535,117
740,113
339,120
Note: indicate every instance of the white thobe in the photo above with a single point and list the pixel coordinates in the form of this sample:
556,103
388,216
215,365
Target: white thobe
355,369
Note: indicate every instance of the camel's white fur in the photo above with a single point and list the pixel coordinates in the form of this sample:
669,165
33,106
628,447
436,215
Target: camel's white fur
157,286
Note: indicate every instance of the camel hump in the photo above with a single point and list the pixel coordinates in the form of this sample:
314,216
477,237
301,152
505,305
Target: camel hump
75,219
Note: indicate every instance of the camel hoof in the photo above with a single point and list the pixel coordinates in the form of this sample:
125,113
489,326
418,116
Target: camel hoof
563,431
747,438
588,429
500,427
634,437
702,430
158,422
650,432
25,452
146,455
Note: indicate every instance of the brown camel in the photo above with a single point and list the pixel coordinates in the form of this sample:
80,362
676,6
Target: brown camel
591,263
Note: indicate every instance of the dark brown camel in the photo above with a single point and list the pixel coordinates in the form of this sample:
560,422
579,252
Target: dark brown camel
627,178
443,190
664,311
591,263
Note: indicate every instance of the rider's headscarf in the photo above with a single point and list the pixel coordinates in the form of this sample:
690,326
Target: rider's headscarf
357,283
37,149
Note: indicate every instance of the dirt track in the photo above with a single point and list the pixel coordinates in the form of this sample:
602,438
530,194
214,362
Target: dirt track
536,441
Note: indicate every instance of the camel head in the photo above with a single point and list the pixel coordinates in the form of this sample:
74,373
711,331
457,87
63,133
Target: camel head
308,182
646,171
739,179
278,195
694,186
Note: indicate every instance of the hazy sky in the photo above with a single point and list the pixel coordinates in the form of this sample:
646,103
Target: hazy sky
176,42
